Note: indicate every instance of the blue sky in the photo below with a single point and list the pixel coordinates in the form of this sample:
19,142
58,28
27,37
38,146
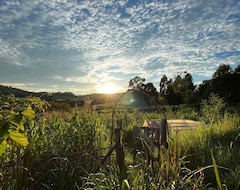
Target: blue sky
80,45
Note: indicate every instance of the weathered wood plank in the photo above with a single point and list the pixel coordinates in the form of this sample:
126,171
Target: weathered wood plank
175,124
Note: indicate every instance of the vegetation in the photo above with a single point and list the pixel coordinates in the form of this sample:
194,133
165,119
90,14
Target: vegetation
57,150
52,145
225,82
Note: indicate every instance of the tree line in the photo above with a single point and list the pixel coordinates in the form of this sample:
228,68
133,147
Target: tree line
225,82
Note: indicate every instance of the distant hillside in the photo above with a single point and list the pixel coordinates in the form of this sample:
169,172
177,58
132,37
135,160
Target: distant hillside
60,96
65,96
5,90
102,98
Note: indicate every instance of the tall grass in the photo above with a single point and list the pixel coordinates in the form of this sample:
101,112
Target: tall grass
63,153
169,171
222,138
59,152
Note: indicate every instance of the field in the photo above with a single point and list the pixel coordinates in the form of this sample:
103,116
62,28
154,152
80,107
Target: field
43,148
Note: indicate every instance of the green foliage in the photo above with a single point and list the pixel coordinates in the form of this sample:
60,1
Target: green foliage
15,114
216,172
63,150
60,106
168,172
222,70
177,91
223,139
225,83
211,109
136,83
57,149
141,92
17,124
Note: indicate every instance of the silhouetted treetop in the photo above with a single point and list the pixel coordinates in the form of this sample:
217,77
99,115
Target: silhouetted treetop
222,70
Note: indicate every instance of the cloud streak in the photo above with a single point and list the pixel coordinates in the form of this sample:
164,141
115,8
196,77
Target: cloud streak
87,42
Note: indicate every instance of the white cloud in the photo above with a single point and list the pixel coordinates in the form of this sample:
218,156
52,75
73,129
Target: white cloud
18,85
91,38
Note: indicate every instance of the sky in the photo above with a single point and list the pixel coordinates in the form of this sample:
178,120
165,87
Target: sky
80,46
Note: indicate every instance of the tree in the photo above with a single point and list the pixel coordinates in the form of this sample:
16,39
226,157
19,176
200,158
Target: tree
237,69
140,90
228,87
151,91
136,83
163,85
204,89
222,70
181,90
177,91
225,83
188,88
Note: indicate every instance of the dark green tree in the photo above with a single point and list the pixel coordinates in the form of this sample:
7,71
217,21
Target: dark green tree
188,88
136,83
178,91
204,90
147,92
225,82
237,69
151,91
163,85
222,70
227,87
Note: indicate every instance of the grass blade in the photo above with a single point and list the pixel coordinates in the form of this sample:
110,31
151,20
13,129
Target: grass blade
216,172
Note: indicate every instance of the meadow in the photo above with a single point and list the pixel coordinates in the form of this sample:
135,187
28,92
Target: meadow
43,148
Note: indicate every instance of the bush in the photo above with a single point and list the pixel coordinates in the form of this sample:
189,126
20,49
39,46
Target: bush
211,109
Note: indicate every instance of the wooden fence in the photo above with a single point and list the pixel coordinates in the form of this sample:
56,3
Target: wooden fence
152,135
147,138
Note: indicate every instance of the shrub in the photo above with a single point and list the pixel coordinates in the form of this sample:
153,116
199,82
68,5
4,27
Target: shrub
211,109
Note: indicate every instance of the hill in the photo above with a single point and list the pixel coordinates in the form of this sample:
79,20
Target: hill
5,90
59,96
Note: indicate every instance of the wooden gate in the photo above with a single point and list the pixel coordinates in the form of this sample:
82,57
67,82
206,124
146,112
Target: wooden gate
147,138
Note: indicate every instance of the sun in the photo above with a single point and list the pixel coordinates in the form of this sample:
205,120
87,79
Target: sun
108,88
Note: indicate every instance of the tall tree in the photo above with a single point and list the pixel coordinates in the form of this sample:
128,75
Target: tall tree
237,69
151,91
147,91
163,85
222,70
136,83
188,88
225,83
181,90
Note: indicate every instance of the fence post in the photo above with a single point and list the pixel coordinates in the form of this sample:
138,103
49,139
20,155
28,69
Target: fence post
120,155
119,152
163,135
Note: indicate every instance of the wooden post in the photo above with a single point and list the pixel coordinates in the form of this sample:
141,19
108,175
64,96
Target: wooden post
106,157
120,155
163,135
119,150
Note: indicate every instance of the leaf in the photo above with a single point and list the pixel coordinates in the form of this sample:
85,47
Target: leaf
216,172
19,138
17,118
3,147
5,105
4,129
125,184
29,112
17,126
